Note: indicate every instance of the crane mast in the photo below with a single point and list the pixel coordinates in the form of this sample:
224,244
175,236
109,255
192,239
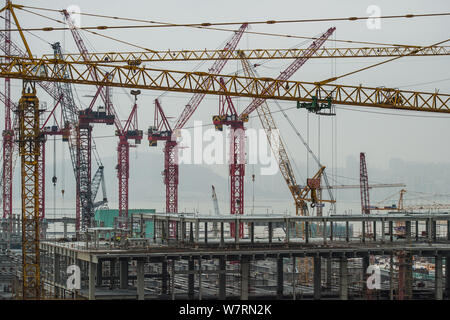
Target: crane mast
130,131
29,153
364,183
229,116
8,133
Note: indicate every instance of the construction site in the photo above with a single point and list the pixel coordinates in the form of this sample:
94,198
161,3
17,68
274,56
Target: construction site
246,197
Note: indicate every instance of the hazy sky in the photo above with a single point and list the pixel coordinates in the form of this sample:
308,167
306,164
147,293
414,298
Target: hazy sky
382,134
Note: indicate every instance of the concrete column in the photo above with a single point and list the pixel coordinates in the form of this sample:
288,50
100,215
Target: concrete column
434,231
183,231
206,232
417,230
317,278
65,228
408,275
408,230
191,278
391,277
197,231
382,230
222,279
343,278
57,268
324,231
123,273
347,231
112,268
293,278
140,279
329,270
99,272
92,271
307,231
191,232
287,225
438,277
252,231
236,231
164,230
280,278
363,231
245,277
429,230
270,232
374,231
164,277
391,231
331,230
222,240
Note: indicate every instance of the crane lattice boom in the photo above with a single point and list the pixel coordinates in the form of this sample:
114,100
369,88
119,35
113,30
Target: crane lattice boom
193,82
136,58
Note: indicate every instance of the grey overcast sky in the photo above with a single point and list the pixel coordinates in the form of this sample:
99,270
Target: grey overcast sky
382,134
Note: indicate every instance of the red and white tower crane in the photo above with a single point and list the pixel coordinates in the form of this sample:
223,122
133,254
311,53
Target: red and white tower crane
171,148
230,117
84,202
130,132
161,130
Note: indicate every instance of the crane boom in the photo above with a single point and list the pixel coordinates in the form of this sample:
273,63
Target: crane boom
271,128
293,67
180,81
85,54
364,182
216,68
137,57
69,108
97,181
357,186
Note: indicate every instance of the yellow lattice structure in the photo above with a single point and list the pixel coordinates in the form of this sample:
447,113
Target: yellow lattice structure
136,58
29,153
